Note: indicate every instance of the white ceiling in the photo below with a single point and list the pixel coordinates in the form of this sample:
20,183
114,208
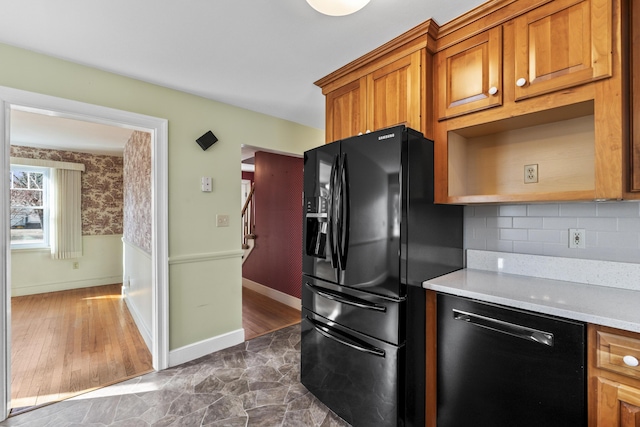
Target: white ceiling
50,131
262,55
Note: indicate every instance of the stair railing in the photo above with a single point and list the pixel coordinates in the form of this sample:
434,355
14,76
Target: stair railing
248,222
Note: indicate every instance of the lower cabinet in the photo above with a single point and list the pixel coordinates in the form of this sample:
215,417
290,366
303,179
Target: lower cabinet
614,378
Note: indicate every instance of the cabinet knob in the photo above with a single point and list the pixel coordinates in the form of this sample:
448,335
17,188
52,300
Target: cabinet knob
493,90
521,82
630,361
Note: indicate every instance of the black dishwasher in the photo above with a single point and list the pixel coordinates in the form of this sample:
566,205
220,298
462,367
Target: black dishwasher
500,366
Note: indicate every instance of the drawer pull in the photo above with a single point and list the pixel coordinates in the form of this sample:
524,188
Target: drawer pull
346,299
630,361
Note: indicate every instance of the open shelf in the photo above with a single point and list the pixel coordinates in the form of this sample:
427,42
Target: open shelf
487,162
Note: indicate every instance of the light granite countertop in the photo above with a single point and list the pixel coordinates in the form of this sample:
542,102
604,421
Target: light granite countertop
603,293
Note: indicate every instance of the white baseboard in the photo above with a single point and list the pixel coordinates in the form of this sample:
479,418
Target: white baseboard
63,286
137,318
202,348
274,294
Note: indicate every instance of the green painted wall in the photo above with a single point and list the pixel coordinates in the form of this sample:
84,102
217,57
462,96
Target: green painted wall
205,296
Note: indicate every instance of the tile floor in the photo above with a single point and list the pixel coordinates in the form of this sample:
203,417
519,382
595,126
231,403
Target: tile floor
256,383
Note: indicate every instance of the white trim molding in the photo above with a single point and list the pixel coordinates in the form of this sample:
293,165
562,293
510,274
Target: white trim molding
137,318
274,294
202,348
11,98
211,256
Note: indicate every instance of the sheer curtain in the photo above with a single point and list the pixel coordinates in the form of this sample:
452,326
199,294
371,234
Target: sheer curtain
65,214
66,220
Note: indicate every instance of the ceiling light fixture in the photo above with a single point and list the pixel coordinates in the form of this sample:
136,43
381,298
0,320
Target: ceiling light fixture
337,7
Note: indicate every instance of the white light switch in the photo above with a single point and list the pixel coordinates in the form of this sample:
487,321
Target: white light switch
205,184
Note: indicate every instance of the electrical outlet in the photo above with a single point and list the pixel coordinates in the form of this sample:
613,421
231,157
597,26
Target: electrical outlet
530,174
222,220
577,238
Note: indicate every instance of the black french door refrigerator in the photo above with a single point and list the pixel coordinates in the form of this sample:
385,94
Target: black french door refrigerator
372,235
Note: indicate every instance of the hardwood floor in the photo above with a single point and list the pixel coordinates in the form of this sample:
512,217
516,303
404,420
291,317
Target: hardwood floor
69,342
261,314
66,343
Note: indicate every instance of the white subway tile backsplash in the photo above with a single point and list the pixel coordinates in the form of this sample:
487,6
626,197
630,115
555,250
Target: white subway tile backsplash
546,236
499,222
527,222
500,245
617,210
598,224
513,210
533,248
487,233
626,224
612,229
578,209
555,223
513,234
476,222
617,240
543,210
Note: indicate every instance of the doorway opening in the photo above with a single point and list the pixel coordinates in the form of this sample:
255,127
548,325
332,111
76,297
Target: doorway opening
271,266
12,100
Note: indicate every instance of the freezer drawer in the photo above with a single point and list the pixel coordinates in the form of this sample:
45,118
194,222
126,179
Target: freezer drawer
356,376
505,367
361,311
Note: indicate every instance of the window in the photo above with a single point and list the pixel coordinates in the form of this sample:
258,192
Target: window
29,207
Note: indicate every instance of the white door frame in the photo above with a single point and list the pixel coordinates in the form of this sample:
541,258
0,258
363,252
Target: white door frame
158,128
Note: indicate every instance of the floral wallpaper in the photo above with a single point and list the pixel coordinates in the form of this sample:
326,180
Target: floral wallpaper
137,190
102,187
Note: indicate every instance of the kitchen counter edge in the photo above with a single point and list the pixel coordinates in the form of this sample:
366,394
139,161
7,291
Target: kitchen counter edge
614,307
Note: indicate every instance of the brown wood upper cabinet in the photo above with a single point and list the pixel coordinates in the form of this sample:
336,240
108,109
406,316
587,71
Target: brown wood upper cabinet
470,75
384,88
561,44
346,113
385,97
635,98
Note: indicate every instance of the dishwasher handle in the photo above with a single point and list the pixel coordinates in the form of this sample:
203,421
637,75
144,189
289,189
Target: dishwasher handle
519,331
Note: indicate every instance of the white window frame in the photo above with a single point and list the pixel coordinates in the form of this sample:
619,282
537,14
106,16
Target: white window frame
46,190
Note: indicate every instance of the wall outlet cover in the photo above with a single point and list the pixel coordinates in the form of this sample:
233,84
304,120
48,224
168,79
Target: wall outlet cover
577,238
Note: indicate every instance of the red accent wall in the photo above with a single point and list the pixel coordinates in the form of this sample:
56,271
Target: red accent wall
276,260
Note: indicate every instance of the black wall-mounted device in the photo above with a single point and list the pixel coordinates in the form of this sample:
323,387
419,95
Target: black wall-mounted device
207,140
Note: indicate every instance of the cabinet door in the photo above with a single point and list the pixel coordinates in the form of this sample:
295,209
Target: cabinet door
346,111
469,75
394,94
635,97
562,44
618,404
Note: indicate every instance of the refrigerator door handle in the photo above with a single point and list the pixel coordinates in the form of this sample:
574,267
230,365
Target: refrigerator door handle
346,299
331,333
518,331
344,212
333,181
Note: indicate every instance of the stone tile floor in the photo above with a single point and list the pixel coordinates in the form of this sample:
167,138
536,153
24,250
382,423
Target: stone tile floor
256,383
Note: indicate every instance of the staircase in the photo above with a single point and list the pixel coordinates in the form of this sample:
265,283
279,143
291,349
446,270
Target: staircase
248,225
